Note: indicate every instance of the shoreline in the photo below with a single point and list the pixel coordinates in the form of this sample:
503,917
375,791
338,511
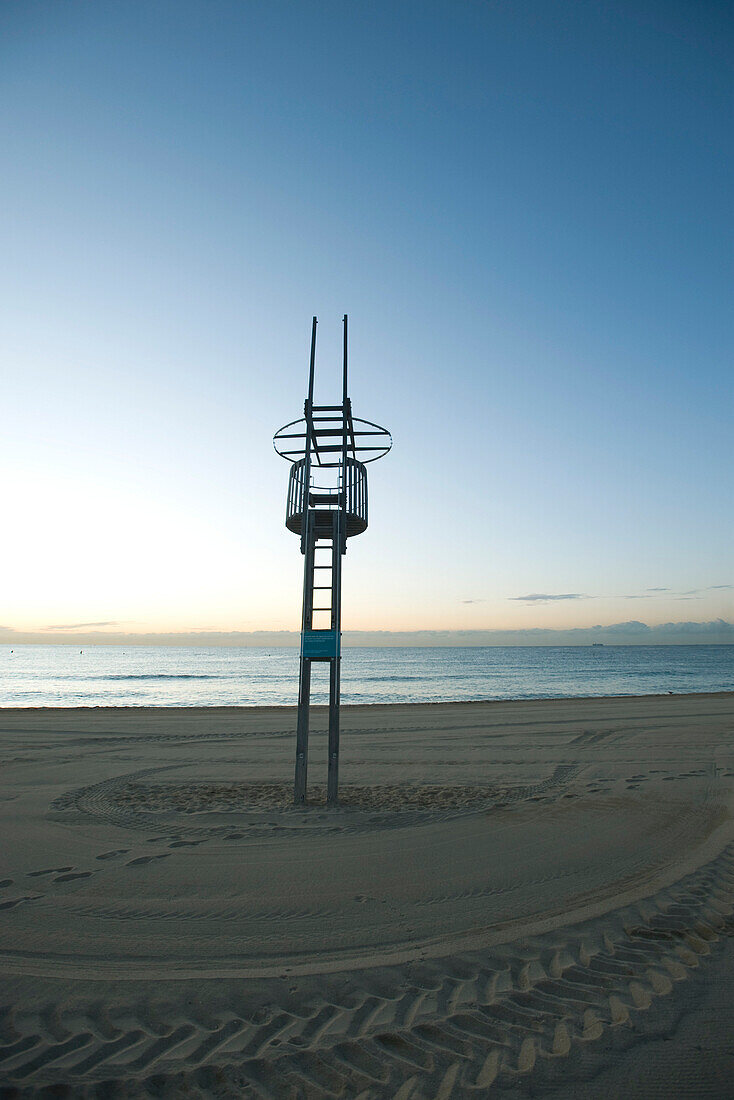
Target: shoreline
324,707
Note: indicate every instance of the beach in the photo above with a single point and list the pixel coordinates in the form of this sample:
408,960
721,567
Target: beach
515,898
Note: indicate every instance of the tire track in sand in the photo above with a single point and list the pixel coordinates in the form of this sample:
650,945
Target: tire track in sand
452,1027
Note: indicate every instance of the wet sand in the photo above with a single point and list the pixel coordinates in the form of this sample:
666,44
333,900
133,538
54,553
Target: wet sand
520,899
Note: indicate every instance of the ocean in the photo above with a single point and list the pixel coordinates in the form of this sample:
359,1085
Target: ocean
98,676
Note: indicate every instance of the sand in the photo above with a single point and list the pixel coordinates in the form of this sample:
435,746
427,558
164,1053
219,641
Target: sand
514,899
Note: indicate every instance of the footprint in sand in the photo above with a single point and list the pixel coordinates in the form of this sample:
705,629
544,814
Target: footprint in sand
19,901
73,875
112,854
49,871
185,844
234,836
6,882
146,859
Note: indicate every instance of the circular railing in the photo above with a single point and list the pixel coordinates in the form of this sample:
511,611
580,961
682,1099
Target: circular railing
352,497
365,441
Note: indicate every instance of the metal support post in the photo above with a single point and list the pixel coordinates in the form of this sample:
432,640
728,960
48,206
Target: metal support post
332,787
304,681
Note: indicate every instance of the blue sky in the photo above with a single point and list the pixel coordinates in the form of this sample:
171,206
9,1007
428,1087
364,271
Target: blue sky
525,208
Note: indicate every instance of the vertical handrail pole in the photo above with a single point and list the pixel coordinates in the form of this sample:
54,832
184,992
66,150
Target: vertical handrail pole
308,410
344,387
346,413
339,546
308,544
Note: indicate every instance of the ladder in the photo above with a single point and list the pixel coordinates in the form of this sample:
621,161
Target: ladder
323,544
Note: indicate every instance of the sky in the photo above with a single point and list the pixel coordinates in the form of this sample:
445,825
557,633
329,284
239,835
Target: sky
525,209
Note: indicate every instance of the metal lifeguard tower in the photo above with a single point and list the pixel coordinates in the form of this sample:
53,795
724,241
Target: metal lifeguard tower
330,446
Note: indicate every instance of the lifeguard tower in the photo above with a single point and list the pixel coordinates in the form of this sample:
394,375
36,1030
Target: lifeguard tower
327,503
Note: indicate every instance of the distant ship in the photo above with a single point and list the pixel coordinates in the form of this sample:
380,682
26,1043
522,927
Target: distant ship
597,643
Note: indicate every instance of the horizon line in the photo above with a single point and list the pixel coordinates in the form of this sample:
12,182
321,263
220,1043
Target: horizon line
631,632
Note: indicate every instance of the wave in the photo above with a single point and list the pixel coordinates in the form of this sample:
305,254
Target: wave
446,677
390,679
158,676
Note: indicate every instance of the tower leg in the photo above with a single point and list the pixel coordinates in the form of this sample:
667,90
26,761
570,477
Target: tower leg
332,788
304,680
304,703
332,784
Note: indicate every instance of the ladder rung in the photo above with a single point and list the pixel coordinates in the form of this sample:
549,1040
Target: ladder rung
331,432
322,567
332,449
322,588
327,432
315,609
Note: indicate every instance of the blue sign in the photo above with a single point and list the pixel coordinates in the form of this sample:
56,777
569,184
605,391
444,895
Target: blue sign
320,645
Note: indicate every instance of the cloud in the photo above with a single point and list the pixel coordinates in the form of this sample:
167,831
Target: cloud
657,590
474,601
634,626
708,588
82,626
544,597
717,626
